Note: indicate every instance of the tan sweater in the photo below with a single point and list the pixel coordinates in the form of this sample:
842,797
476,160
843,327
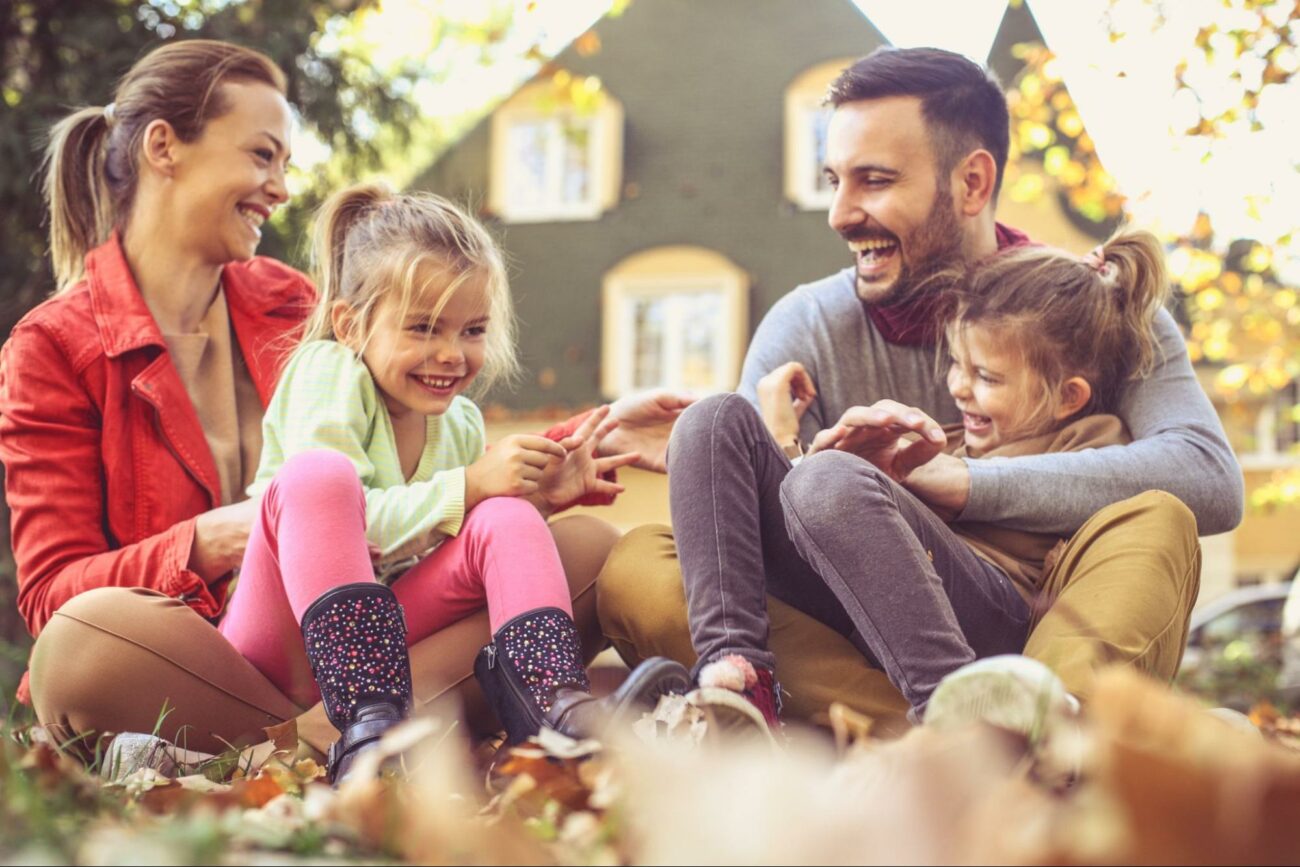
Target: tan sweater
217,380
1026,557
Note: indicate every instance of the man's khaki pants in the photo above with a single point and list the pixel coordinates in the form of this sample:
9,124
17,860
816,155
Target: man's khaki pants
112,658
1121,593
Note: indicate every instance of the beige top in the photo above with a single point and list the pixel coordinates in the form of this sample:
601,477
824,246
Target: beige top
221,388
1026,557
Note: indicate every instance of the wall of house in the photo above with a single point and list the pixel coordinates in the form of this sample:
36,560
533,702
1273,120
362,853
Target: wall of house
701,83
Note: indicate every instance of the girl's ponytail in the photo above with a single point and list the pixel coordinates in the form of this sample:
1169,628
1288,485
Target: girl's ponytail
336,276
1132,267
76,192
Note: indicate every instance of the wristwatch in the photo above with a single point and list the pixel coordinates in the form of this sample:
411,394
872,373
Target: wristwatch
794,450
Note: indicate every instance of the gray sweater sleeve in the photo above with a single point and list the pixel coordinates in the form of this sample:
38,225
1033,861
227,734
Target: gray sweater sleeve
785,334
1178,446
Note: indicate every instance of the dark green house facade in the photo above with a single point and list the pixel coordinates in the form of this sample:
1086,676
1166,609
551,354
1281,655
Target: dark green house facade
702,86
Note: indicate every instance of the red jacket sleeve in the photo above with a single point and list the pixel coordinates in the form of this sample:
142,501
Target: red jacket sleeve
50,436
564,429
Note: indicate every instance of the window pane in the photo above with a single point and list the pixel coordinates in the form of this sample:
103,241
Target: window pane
527,168
817,120
701,318
648,343
576,183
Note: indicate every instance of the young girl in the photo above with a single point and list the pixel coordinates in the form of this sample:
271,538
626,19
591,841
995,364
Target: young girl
373,464
1040,344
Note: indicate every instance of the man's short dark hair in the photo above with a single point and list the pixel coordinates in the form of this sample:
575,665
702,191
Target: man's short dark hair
963,105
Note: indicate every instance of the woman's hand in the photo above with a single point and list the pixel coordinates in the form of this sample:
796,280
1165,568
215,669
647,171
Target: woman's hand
645,421
220,537
784,395
579,473
511,468
877,433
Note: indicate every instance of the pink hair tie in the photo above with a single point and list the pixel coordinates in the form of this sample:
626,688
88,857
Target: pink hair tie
1096,260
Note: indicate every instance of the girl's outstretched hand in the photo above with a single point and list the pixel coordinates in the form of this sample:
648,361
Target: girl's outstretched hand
878,433
579,472
513,467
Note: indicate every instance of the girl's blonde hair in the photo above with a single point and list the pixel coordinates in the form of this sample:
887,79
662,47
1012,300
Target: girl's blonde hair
1092,317
92,164
370,243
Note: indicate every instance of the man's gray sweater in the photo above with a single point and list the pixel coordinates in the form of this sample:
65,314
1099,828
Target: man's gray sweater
1178,442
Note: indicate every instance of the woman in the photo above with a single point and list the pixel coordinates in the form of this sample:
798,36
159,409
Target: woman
131,407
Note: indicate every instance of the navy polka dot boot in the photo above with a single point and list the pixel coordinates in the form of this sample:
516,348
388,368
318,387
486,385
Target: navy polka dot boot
533,676
355,638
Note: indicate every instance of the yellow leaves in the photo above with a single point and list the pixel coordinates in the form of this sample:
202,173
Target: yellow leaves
1259,259
587,44
1035,136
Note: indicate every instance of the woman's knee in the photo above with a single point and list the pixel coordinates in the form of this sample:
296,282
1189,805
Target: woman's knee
319,475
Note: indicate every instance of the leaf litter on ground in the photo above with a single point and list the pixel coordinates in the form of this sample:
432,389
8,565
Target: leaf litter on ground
1153,779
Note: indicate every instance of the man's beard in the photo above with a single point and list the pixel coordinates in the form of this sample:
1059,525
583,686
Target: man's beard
933,247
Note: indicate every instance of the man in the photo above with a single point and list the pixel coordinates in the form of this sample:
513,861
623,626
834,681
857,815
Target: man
916,149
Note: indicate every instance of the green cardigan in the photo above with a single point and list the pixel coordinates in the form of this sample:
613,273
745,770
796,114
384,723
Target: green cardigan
327,398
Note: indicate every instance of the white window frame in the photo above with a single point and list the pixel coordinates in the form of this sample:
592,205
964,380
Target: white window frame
1267,455
604,157
620,294
804,98
805,173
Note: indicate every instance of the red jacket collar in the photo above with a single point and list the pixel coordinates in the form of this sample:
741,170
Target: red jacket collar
124,320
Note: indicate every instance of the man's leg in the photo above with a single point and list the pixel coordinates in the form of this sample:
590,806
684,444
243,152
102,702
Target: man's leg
642,604
1121,593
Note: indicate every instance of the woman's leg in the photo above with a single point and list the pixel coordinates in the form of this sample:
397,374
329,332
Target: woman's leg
922,600
126,659
726,475
309,538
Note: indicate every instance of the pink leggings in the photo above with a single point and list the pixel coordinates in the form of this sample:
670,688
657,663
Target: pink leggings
311,537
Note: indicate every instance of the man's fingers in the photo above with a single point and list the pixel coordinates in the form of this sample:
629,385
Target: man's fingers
913,455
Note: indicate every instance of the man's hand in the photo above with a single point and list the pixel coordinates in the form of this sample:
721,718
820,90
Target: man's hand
645,421
579,472
220,537
943,484
878,433
784,395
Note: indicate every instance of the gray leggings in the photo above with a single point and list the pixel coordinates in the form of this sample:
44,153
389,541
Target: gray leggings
834,537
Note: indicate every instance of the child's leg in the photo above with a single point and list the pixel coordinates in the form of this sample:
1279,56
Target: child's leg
922,600
726,475
309,538
504,557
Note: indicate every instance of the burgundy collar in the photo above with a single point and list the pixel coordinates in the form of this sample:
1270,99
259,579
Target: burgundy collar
914,322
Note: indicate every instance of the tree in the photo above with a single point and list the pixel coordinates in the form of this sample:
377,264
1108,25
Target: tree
1243,318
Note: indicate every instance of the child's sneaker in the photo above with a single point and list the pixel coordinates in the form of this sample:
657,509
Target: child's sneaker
1010,692
736,695
1019,695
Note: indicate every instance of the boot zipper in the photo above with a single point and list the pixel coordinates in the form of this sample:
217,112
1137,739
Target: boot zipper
524,697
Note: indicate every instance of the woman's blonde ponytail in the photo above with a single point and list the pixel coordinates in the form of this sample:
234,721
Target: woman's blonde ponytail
76,192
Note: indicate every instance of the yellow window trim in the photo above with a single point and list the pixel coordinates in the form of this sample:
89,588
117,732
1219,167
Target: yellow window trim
663,271
534,102
807,90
